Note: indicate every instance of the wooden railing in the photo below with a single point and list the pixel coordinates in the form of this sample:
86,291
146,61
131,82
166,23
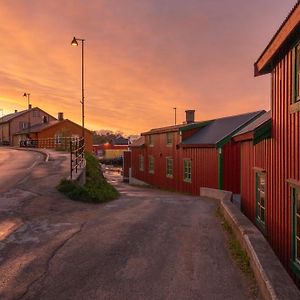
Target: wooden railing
77,155
75,146
59,143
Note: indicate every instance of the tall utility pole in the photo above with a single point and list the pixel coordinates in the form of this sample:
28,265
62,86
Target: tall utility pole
75,43
1,125
28,107
175,113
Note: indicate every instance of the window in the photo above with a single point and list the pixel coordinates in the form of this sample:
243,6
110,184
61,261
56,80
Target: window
187,169
151,164
141,162
297,74
169,167
169,138
23,125
296,230
36,113
151,140
261,200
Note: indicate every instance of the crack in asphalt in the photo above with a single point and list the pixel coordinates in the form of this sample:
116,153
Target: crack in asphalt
55,252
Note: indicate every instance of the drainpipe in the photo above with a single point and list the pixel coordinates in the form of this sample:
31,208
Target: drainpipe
220,169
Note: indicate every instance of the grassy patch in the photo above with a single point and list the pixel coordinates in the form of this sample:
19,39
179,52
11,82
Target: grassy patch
96,188
239,255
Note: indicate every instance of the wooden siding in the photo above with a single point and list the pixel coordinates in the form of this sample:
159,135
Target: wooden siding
126,164
279,156
71,129
285,158
204,165
204,169
231,167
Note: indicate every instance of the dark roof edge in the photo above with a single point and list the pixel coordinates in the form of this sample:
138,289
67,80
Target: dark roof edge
256,71
224,140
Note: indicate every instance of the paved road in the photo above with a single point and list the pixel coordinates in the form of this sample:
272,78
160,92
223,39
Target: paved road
148,244
15,166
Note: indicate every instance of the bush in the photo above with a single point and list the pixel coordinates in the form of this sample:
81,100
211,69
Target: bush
96,188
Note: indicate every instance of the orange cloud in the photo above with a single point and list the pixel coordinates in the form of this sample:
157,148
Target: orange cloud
142,58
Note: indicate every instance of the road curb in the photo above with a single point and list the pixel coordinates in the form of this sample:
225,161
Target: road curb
272,279
44,152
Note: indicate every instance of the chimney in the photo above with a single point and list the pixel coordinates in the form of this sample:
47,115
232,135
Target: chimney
190,116
29,106
60,116
16,110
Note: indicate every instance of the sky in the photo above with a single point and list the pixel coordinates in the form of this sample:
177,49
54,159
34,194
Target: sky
142,58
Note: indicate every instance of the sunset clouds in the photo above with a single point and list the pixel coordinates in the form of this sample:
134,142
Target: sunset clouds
143,57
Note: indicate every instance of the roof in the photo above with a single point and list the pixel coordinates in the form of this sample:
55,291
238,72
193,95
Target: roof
138,142
174,128
9,117
218,130
285,36
255,124
258,130
164,129
40,127
119,141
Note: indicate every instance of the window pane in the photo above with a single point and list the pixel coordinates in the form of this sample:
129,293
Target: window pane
262,200
298,250
297,75
298,226
262,215
297,196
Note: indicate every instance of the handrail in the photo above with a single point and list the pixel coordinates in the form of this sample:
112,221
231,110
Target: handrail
74,145
76,155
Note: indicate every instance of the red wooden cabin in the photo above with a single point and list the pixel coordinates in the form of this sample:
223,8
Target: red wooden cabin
271,168
189,156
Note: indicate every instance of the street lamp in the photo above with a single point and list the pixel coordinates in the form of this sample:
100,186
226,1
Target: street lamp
28,106
75,43
1,109
175,113
28,98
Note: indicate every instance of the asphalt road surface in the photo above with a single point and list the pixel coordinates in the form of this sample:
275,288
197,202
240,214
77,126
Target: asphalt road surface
15,165
148,244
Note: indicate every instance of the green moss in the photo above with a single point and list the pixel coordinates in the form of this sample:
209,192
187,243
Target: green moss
239,255
96,188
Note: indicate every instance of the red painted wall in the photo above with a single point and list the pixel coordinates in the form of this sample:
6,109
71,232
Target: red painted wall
126,164
204,165
204,169
231,167
280,157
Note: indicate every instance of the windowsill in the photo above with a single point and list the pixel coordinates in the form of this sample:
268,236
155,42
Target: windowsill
169,176
187,180
295,107
151,172
151,145
169,145
259,170
293,183
295,268
261,226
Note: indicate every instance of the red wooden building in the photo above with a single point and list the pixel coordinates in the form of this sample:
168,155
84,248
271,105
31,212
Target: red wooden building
188,156
270,167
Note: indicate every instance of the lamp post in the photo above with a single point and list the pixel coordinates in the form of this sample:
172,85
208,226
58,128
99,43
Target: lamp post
1,109
28,107
75,43
175,113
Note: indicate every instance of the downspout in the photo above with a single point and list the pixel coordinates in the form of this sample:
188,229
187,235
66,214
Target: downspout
10,138
220,168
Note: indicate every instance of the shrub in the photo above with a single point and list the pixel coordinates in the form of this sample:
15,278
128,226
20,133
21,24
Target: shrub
96,189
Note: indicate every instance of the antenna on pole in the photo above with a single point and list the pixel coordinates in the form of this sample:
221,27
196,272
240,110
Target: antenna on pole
175,113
